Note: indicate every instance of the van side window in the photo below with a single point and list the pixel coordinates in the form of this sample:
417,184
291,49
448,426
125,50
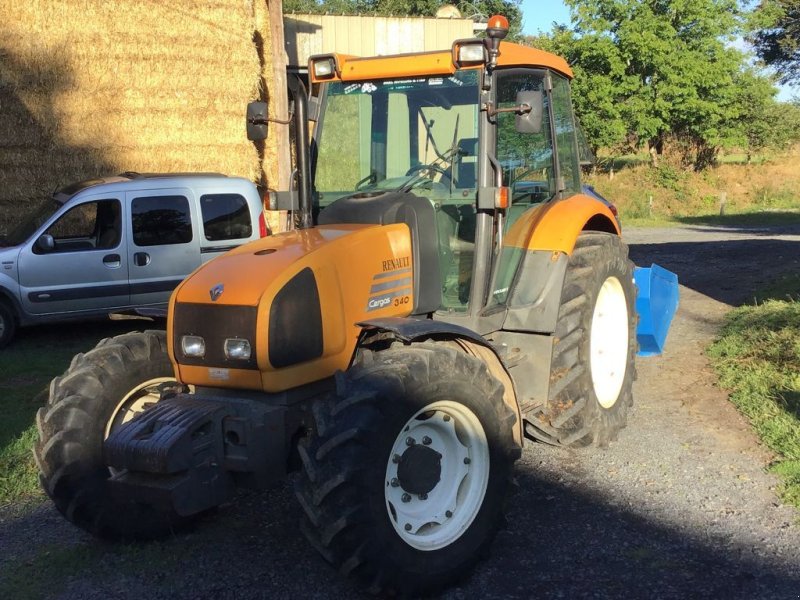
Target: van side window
88,226
225,217
161,221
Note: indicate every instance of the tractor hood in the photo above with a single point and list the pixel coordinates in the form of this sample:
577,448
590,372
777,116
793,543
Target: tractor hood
288,305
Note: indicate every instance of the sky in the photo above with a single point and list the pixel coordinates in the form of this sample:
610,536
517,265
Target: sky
539,15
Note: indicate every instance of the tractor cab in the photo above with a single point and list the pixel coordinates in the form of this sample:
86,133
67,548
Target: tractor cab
458,146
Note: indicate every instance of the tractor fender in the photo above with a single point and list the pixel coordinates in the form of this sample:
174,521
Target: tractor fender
555,226
462,339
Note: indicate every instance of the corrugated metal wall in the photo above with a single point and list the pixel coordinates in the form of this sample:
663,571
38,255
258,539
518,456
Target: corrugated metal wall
368,36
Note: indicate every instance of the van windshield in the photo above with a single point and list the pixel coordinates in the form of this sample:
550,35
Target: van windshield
28,226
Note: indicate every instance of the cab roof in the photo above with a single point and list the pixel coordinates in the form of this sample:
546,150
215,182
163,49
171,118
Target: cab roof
353,68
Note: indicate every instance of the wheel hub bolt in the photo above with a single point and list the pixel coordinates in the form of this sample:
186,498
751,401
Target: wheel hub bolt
410,441
448,514
467,460
395,483
423,496
426,440
396,458
408,526
406,498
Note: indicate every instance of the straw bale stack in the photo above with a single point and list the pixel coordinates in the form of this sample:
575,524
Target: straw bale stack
92,87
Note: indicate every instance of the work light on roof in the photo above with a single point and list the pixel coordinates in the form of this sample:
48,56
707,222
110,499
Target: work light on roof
471,53
324,67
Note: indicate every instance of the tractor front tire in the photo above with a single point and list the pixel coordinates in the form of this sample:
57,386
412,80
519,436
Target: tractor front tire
405,476
592,368
101,389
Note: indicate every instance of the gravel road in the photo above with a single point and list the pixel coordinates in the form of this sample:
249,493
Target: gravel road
680,506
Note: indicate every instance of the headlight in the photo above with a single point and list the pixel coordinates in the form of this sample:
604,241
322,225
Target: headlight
193,345
237,348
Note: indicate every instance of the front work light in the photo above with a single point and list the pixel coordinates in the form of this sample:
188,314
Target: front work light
193,345
471,53
237,349
324,68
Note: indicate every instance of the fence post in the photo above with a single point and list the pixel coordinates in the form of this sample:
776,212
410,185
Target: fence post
723,201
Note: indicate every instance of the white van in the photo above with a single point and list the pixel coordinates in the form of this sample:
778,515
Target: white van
119,243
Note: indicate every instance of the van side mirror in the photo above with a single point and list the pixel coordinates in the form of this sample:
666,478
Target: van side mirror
530,121
45,243
257,121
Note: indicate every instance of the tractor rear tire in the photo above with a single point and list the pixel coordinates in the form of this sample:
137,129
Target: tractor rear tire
101,389
405,477
593,368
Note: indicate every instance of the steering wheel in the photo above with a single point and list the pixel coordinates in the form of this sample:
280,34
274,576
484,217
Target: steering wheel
435,168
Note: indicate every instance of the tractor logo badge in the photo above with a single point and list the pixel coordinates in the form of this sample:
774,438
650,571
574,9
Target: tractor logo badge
216,292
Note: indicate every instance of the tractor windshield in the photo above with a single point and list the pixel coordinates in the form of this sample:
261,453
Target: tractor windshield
417,135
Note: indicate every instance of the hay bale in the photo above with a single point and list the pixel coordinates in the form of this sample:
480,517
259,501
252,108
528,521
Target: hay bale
89,87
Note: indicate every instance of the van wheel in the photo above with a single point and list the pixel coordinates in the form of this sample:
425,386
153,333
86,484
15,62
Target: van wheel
592,368
101,390
8,324
405,477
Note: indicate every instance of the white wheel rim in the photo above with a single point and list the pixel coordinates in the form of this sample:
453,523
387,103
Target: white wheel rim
433,521
136,401
609,342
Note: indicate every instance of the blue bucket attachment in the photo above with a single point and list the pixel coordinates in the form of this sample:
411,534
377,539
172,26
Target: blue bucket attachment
656,304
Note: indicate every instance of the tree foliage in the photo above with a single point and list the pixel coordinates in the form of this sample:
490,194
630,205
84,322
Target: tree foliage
776,37
659,74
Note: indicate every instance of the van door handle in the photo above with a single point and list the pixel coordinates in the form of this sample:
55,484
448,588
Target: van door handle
141,259
112,261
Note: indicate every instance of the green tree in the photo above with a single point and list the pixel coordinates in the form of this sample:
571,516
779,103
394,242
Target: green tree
671,73
776,37
600,86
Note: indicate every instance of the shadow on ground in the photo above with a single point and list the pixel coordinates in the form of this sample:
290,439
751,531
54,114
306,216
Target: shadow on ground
728,270
560,543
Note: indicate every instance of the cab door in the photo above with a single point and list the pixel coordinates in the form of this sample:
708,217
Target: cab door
85,269
163,247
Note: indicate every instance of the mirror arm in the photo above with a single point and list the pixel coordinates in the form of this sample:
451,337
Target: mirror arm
520,109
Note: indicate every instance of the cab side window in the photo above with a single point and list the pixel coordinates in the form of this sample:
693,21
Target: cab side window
161,220
565,135
88,226
225,217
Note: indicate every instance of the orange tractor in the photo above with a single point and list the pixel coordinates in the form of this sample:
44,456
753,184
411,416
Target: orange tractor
449,292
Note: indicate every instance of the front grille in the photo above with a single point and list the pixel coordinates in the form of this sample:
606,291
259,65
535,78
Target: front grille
214,323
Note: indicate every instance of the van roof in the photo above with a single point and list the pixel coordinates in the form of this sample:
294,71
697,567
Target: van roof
121,181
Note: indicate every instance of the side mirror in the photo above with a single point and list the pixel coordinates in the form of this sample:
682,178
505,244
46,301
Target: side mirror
257,121
530,121
45,243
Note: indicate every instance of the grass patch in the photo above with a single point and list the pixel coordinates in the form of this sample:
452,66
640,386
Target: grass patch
758,359
744,219
27,366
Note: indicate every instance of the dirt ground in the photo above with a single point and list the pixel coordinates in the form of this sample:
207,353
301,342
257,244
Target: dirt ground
680,506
